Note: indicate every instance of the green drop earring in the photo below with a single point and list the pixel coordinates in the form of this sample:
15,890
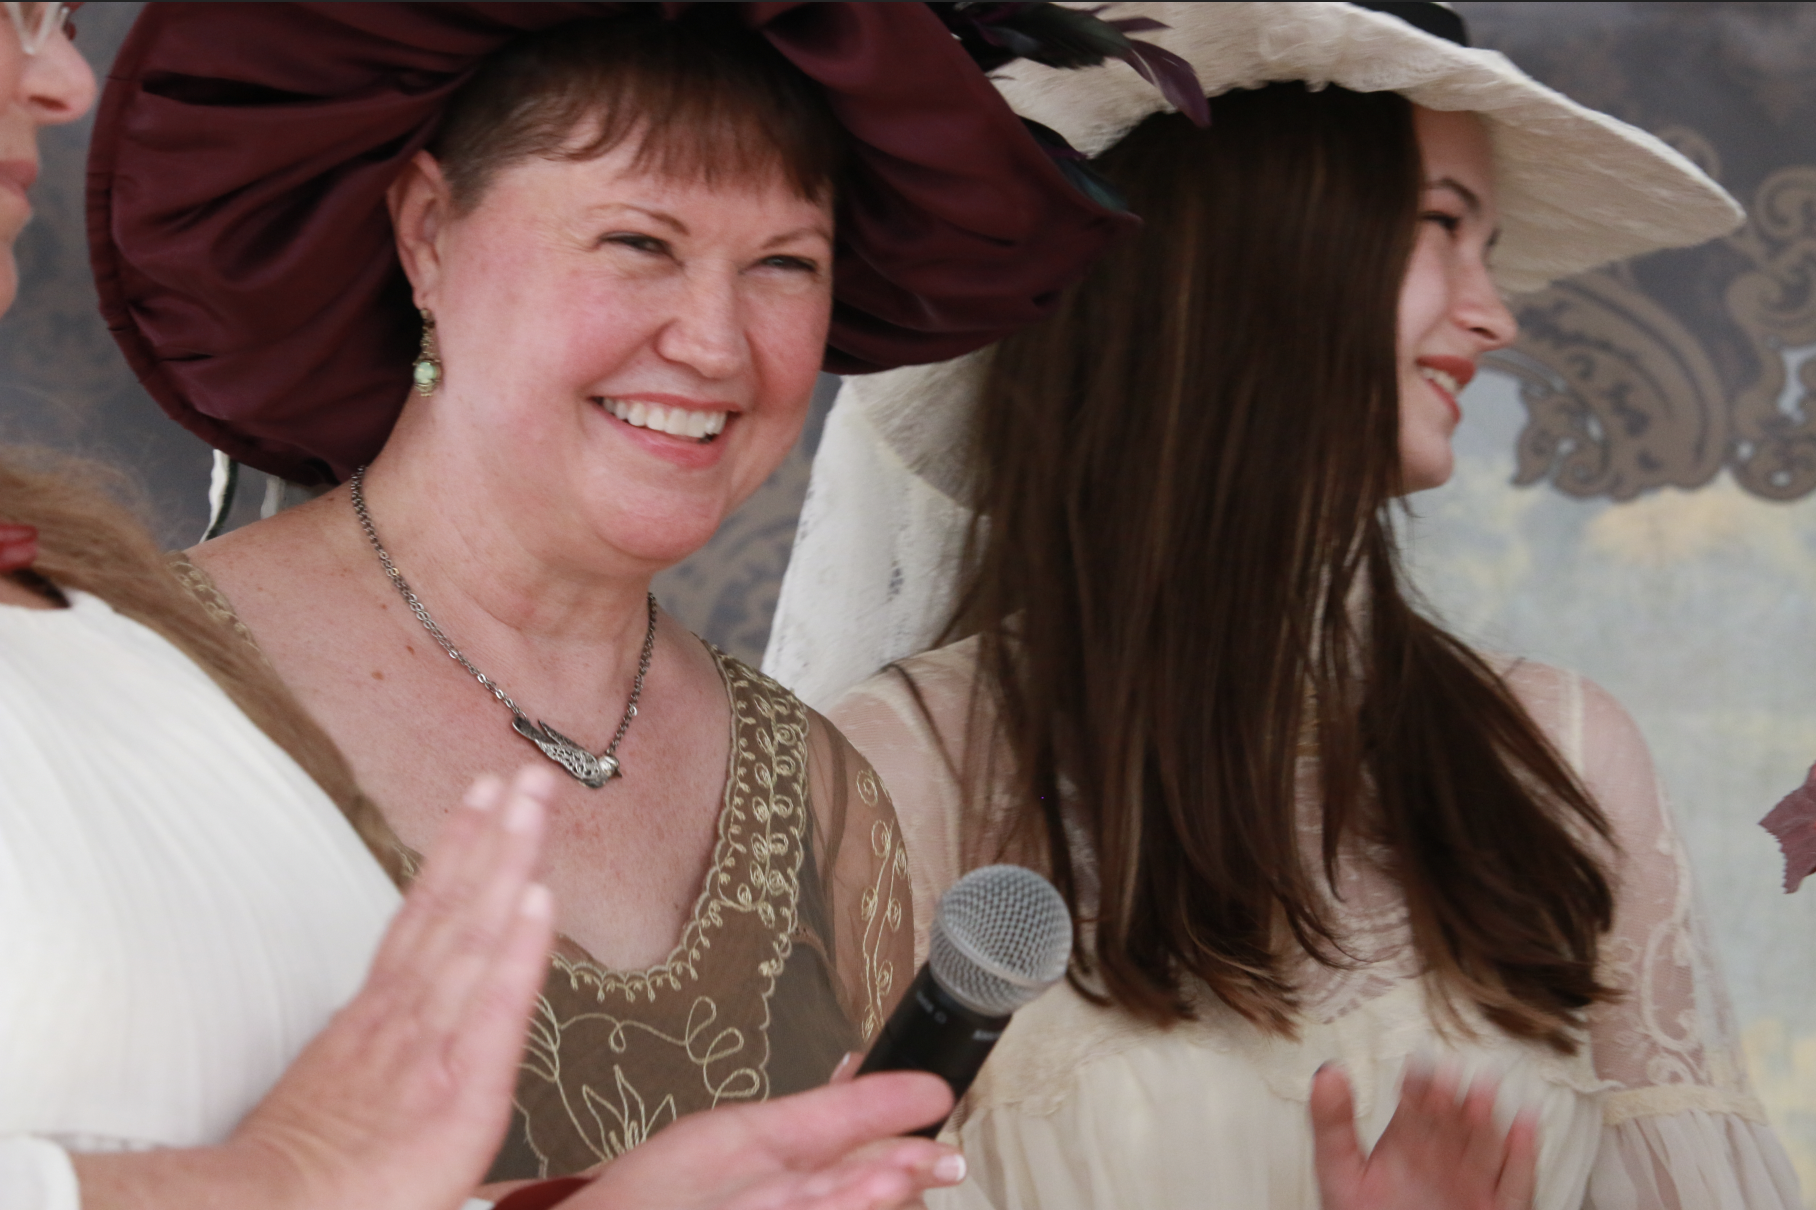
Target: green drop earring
427,370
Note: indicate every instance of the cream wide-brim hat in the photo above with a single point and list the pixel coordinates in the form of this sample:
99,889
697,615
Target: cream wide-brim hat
871,575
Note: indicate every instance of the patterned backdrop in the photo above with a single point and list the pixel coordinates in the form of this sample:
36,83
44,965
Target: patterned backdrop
1634,486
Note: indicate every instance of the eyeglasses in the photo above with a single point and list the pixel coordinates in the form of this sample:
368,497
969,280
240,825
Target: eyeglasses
38,23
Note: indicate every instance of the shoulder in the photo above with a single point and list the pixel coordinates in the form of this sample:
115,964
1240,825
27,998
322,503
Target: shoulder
200,585
831,761
923,701
287,558
1597,738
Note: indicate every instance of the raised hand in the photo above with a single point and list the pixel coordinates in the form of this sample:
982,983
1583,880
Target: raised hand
400,1103
1438,1153
828,1149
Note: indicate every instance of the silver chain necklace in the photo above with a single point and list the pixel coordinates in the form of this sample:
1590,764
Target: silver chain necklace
585,768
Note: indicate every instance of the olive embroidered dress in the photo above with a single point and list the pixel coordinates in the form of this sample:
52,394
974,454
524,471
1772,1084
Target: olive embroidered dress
787,962
800,936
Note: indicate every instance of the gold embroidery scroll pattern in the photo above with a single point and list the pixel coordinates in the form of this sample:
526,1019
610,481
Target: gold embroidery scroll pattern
610,1124
880,907
1624,396
754,871
757,857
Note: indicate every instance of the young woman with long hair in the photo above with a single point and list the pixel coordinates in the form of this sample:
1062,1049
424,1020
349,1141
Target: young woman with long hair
1297,821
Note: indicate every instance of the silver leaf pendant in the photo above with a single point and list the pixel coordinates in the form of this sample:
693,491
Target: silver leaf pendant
589,770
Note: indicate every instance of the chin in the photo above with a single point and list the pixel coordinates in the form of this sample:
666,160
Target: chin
1423,469
661,538
1423,479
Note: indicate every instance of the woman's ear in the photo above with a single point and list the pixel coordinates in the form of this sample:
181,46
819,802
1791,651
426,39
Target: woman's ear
420,206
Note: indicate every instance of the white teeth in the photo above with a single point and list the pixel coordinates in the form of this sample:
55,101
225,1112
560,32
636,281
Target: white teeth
677,422
1447,381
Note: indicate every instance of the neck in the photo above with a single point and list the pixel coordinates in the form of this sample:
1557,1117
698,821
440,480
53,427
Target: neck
562,612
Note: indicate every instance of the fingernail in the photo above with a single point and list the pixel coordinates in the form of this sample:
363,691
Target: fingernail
536,780
482,795
950,1169
844,1063
522,815
538,902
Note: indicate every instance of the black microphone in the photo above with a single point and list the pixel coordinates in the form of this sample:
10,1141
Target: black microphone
1001,936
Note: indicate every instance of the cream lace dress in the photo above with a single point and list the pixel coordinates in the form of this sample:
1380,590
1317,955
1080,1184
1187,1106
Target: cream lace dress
1081,1106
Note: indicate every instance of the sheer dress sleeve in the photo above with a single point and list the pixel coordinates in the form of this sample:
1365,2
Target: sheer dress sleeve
864,870
911,721
1682,1129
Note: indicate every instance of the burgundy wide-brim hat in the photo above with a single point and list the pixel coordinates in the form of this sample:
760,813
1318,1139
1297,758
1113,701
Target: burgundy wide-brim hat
244,254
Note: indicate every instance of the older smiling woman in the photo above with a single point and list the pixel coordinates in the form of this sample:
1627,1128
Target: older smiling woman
619,233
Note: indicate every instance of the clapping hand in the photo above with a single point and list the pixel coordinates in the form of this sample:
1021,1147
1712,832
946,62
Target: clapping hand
403,1099
1438,1152
400,1103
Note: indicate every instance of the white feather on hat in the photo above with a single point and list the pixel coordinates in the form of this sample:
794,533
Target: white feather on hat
871,576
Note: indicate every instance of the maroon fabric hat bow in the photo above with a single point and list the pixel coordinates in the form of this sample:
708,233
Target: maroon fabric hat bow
244,256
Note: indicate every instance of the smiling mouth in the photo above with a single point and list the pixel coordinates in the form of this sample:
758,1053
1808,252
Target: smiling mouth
703,427
1444,381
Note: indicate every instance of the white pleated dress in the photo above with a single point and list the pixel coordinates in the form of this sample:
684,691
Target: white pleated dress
181,907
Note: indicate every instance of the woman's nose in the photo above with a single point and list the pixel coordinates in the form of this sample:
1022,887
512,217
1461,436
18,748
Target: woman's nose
57,85
1480,309
706,333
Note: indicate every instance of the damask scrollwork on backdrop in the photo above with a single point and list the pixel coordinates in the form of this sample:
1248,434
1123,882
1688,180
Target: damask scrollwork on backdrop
1668,370
1774,303
1622,396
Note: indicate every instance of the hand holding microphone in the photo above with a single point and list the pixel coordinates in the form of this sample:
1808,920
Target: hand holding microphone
1001,936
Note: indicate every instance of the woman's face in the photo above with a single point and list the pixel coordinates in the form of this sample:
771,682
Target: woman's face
1450,311
46,89
631,352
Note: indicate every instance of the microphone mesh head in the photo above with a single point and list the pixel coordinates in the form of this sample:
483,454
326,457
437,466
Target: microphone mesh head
1001,937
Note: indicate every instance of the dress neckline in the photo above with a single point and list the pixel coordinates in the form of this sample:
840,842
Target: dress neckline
575,955
568,953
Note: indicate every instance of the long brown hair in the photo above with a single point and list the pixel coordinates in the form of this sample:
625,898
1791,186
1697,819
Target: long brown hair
1184,573
89,542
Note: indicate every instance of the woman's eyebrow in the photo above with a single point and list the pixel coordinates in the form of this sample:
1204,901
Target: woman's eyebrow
789,236
1463,191
659,216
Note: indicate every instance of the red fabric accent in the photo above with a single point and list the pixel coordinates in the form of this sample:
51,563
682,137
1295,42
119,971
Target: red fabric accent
1793,823
244,258
543,1194
18,547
